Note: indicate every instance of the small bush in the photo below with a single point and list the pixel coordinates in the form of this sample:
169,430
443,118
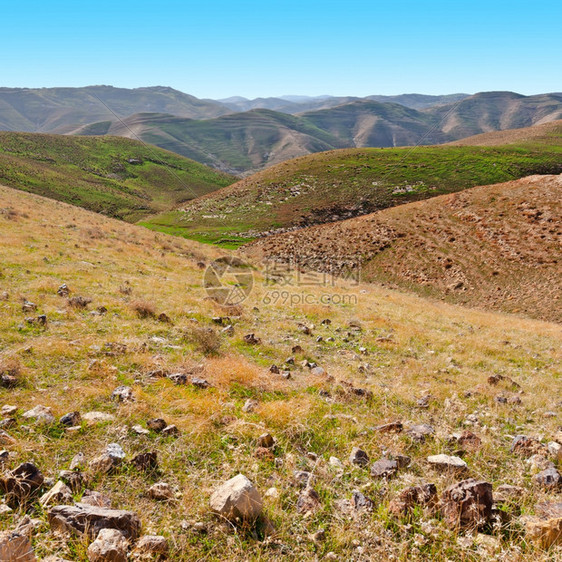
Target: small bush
206,340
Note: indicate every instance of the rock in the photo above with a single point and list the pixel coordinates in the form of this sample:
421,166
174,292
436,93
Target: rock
251,339
384,468
140,430
391,427
308,501
21,484
467,504
318,371
303,328
151,547
15,547
146,461
82,518
467,440
237,498
420,432
170,430
447,463
549,478
526,446
198,382
28,306
40,414
73,479
361,502
71,419
425,495
156,424
555,449
358,457
115,451
97,499
8,410
227,330
161,491
123,394
93,418
266,440
78,461
59,493
6,438
302,478
79,302
249,406
63,290
274,369
538,463
546,528
506,492
109,546
335,462
104,464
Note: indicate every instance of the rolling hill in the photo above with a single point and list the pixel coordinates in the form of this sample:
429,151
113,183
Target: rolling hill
115,176
60,110
395,376
341,184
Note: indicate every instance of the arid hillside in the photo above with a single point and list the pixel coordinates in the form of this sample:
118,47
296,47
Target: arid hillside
497,246
367,423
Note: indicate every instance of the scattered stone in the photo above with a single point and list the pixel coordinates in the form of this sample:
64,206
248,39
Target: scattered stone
250,405
506,492
228,330
146,461
16,547
467,504
28,306
200,383
526,446
335,462
93,418
318,371
21,484
59,493
296,349
8,423
170,430
151,547
384,468
303,328
447,463
358,457
237,498
302,478
391,427
63,290
467,440
115,451
6,438
8,410
555,449
156,424
104,464
423,402
164,318
96,499
251,339
123,394
161,491
71,419
361,502
78,461
420,432
538,463
83,518
140,430
266,440
549,478
274,369
308,501
326,322
109,546
425,495
546,528
4,457
40,414
73,479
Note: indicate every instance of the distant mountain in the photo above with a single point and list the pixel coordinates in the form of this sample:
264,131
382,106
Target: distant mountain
419,101
233,143
61,110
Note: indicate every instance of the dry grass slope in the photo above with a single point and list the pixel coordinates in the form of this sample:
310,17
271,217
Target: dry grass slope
407,349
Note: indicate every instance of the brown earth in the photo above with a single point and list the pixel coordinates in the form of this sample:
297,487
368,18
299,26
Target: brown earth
497,246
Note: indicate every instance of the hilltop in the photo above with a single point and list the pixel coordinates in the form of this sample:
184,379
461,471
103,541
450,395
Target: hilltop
341,184
115,176
338,439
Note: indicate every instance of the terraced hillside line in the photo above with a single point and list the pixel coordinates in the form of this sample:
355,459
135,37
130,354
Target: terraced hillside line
497,246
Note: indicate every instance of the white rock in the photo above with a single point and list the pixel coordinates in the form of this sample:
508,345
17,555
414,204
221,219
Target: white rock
40,414
237,498
97,417
59,493
15,547
446,462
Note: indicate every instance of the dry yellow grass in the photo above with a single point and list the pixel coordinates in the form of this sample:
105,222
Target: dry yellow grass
411,347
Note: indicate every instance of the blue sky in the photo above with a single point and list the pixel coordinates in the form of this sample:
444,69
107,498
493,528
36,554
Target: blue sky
256,48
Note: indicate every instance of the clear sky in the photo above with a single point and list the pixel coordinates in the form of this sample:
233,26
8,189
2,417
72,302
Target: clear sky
264,48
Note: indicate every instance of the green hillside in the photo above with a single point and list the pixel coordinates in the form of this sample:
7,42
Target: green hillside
118,177
345,183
